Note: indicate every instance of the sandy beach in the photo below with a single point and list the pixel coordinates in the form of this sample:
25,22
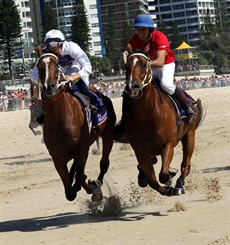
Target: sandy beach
34,209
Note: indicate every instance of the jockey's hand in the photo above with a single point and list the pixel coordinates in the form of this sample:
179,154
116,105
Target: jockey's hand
73,77
69,78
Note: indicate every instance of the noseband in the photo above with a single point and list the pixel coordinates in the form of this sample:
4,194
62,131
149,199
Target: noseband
138,87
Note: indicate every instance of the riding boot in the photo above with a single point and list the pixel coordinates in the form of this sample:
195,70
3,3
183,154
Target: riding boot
120,134
185,103
84,90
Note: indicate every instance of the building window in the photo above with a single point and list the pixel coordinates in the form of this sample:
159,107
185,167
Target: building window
179,14
165,8
93,16
166,16
97,44
178,6
92,6
95,25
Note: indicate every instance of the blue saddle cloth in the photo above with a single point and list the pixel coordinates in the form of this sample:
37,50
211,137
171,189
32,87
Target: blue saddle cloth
101,115
96,118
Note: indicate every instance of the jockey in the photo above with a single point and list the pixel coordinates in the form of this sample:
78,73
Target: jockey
74,61
156,46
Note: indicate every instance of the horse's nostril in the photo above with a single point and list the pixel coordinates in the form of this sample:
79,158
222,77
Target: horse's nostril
136,86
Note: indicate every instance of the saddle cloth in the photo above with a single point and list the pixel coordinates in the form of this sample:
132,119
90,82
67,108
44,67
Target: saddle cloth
93,119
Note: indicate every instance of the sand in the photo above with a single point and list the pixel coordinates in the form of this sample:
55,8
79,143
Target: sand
34,209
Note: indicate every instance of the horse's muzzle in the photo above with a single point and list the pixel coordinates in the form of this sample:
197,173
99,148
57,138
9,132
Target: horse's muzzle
134,90
51,89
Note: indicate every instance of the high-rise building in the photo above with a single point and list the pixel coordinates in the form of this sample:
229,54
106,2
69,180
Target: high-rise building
27,40
65,10
124,12
188,14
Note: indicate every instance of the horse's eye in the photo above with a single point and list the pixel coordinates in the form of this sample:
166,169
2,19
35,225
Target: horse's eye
144,65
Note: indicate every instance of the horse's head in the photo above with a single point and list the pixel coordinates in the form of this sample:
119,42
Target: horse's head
138,74
49,73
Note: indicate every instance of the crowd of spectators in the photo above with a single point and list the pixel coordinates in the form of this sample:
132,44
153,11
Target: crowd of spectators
20,99
14,100
203,82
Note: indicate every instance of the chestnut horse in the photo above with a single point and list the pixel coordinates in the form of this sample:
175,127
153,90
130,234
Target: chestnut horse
66,131
154,127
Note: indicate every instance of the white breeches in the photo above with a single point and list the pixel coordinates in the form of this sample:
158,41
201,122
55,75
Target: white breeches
166,77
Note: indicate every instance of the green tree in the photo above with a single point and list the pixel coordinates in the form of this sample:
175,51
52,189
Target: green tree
80,26
207,29
49,21
175,37
221,18
110,40
10,31
127,32
161,26
217,51
100,64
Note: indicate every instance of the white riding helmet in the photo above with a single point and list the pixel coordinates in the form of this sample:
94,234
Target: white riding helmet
54,35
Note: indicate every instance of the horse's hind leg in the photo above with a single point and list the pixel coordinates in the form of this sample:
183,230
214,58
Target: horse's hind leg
107,144
188,142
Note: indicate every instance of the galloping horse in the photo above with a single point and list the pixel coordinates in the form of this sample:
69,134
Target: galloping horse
154,127
66,131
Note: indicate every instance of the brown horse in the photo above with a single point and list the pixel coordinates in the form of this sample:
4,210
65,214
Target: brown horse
66,132
154,127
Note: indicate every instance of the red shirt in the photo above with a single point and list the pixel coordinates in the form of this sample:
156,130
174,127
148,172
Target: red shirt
158,42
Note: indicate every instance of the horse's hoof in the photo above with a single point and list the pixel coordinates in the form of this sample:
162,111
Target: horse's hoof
169,191
143,182
169,182
97,197
179,191
71,194
95,185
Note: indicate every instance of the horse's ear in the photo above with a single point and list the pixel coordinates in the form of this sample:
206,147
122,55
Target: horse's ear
125,56
39,50
129,48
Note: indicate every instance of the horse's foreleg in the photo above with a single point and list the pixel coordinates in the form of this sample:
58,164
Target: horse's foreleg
188,142
149,172
167,157
62,170
107,144
80,176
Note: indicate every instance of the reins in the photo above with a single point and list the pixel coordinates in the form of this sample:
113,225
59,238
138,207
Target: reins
53,99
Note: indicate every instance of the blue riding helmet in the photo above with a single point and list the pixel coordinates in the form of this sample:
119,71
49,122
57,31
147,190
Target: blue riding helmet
143,20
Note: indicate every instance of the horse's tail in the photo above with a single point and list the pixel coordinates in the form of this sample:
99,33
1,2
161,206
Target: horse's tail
202,111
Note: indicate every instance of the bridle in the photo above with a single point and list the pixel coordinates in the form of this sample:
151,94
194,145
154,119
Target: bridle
57,84
60,71
138,87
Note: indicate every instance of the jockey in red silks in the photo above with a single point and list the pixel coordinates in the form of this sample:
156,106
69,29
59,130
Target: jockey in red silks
157,47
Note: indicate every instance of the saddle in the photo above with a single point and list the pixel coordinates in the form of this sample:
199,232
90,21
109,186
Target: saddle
180,111
99,115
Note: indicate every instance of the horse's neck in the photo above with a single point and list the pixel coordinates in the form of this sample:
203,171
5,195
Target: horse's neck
62,106
146,103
